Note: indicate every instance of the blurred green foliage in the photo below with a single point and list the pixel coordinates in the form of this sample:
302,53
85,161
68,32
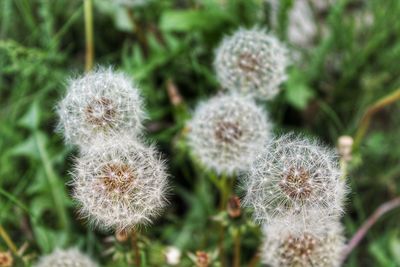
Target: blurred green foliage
42,43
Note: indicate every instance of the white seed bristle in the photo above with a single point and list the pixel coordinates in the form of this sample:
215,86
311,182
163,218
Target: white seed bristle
100,103
294,176
65,258
120,184
226,132
284,248
252,62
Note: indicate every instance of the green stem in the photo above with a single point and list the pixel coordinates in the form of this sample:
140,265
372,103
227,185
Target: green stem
89,58
225,189
236,253
223,192
221,248
371,110
135,247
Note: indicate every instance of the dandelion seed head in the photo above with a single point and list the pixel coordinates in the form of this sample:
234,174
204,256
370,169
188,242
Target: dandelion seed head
120,184
66,258
293,249
100,103
294,176
252,62
227,131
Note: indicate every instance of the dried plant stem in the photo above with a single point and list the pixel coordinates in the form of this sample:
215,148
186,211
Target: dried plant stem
371,110
8,240
236,253
89,57
135,247
359,235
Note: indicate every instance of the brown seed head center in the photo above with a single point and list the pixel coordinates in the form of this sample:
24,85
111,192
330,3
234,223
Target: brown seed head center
117,178
100,112
227,132
295,250
6,259
297,184
248,63
202,259
234,207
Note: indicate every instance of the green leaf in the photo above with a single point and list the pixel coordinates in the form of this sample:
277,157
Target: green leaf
297,92
31,119
40,204
380,255
188,20
28,149
48,239
395,248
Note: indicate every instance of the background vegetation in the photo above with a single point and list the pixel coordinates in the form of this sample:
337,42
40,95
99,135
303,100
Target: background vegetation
170,43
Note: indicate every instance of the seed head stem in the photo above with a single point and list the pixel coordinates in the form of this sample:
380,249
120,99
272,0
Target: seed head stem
225,187
135,247
236,253
88,11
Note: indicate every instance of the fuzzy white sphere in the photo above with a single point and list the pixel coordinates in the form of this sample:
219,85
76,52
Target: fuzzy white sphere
100,103
226,132
120,184
252,62
294,175
65,258
282,248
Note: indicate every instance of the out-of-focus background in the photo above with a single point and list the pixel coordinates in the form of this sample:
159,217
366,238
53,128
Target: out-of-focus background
346,57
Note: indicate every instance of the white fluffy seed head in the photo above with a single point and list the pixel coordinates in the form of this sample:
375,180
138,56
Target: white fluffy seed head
283,248
252,62
294,176
120,184
100,103
226,132
65,258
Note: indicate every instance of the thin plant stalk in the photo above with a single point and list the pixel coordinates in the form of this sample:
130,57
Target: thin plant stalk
221,249
224,185
8,240
363,230
89,57
236,253
135,247
225,189
371,110
222,204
